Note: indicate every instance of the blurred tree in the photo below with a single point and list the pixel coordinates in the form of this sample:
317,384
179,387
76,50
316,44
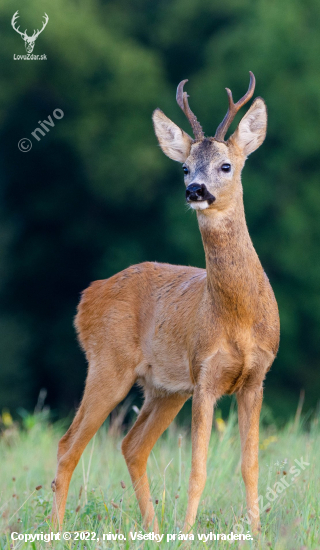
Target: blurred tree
95,194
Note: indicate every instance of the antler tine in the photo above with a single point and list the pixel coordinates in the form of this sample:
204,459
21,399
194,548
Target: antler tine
182,100
13,23
46,19
234,108
14,17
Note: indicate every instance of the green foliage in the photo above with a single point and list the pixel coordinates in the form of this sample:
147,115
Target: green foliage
109,505
96,195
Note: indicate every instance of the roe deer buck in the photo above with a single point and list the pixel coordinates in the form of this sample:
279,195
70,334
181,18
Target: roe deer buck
183,331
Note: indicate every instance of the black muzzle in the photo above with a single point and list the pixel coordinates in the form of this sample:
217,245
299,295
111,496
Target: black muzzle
198,192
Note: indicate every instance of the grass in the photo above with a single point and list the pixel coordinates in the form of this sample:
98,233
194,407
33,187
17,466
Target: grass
101,498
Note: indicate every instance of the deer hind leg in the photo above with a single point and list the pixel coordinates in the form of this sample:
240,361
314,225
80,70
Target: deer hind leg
155,416
249,406
100,397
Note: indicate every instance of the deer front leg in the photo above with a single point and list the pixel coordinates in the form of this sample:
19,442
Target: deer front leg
249,407
202,413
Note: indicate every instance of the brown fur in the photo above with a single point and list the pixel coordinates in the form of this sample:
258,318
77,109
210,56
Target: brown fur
182,331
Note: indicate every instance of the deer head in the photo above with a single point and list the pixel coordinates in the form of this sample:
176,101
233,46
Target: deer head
28,40
212,166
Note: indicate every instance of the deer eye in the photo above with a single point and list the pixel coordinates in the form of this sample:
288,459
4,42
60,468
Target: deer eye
226,167
185,170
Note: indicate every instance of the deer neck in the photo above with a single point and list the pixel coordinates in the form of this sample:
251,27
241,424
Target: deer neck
234,273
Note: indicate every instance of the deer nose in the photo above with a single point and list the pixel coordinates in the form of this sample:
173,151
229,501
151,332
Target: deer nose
196,192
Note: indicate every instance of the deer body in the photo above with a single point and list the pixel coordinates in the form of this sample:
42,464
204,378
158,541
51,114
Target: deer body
182,331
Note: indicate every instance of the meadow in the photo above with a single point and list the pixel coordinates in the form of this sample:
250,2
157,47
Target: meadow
101,498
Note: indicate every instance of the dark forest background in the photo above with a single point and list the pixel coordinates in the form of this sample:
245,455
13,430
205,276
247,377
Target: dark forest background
96,194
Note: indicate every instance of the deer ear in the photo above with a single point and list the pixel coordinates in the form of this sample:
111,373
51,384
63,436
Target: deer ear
252,128
174,142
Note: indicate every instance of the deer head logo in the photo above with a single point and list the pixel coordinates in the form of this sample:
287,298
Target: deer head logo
28,40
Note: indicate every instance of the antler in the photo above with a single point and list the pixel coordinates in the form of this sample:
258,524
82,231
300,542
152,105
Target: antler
234,108
13,22
36,34
182,100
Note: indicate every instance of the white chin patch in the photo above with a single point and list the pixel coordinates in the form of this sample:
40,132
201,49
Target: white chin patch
199,205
